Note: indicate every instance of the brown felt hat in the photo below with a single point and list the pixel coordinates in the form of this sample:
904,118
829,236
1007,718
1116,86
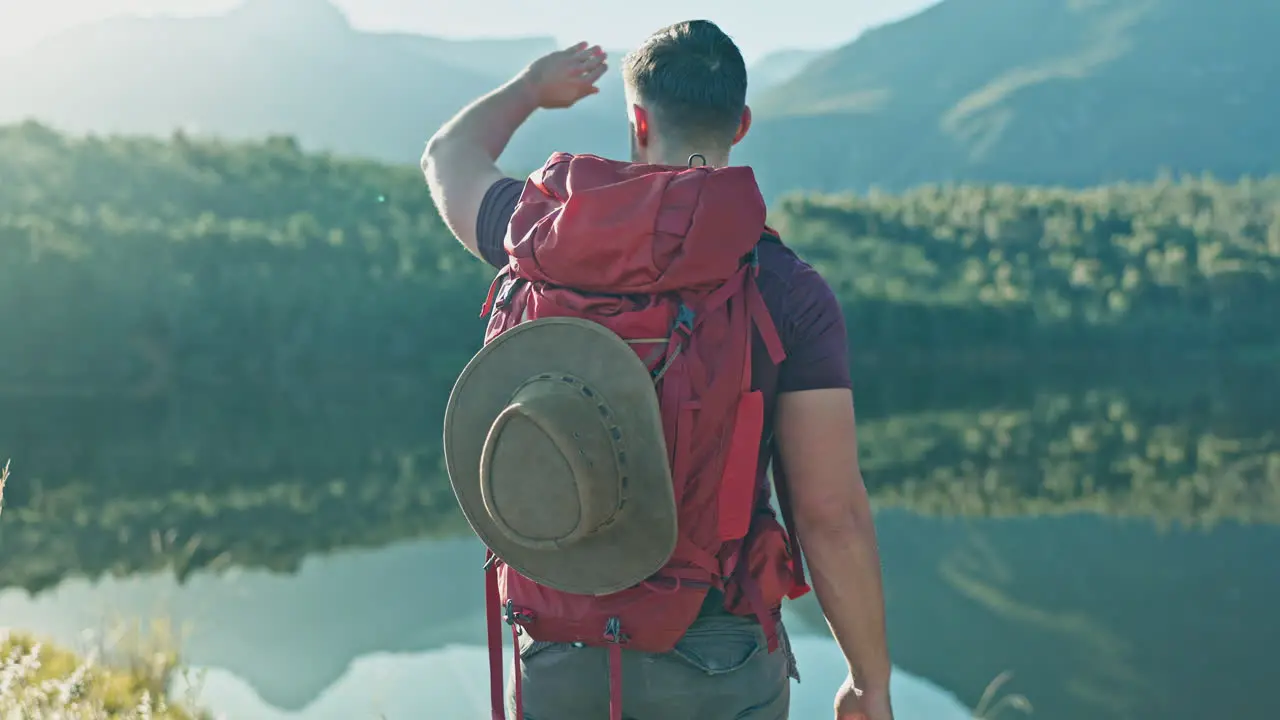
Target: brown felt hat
554,446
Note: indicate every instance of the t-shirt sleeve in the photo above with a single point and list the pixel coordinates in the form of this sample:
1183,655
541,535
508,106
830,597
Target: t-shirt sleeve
814,336
496,209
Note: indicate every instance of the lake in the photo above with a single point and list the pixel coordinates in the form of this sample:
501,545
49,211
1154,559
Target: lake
1109,535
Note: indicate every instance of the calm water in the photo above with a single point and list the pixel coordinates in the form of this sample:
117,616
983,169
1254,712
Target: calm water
1112,539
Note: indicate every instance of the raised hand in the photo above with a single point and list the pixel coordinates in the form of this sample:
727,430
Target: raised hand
562,78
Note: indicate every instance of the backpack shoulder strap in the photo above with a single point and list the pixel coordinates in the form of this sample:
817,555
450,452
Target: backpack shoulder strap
760,316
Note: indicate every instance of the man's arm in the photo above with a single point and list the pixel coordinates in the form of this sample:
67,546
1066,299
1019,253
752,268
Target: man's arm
460,163
461,160
817,440
816,435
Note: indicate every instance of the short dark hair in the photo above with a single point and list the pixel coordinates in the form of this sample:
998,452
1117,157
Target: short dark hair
692,76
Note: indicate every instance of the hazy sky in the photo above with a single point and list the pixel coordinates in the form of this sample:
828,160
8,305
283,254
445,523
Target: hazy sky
759,26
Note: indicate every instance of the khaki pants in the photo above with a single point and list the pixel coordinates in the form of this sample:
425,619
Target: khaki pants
721,670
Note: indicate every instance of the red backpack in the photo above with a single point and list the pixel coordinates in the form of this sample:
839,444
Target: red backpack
666,258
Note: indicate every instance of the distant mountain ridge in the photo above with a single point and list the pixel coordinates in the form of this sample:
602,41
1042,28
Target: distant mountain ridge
1071,92
777,68
288,67
255,71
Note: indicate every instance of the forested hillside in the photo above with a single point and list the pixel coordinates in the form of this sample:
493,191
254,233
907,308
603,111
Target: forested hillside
127,258
1188,267
134,263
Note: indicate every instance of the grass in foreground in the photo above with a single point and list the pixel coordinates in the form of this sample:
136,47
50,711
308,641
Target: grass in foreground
4,477
41,682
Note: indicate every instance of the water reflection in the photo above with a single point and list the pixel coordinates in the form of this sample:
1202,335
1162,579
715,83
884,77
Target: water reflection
395,631
1110,539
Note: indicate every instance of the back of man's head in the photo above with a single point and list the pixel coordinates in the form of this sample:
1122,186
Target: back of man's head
691,78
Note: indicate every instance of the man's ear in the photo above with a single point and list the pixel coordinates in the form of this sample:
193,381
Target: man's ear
640,123
743,125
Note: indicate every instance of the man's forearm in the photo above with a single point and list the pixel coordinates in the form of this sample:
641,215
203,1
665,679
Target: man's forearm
845,567
486,126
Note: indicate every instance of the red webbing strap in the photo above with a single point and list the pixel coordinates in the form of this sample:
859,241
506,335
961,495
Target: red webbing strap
763,614
721,295
751,590
615,681
758,314
764,323
493,618
739,484
769,335
732,554
748,291
680,461
724,393
687,551
677,418
669,395
493,291
616,638
515,669
799,585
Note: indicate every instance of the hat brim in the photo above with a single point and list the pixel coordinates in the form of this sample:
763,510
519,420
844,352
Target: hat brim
643,538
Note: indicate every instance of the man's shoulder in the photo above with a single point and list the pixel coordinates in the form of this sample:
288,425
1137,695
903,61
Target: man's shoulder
783,274
776,257
809,319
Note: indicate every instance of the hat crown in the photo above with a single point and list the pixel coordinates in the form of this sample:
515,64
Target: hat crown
556,450
553,465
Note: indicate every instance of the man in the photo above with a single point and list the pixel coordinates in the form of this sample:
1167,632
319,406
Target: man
686,88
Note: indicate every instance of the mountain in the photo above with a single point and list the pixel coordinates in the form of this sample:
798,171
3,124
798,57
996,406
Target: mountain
1072,92
776,68
1034,91
289,67
269,67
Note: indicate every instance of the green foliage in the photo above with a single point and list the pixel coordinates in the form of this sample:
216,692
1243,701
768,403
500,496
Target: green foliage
1100,452
130,264
1186,267
127,260
251,347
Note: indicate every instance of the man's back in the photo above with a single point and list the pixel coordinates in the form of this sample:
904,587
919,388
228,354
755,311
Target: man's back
686,89
721,667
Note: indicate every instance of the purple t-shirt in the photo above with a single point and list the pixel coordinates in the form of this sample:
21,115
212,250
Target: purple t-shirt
804,310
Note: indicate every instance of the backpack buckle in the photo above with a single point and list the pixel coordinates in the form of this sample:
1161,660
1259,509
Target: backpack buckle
684,319
613,631
505,293
514,616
